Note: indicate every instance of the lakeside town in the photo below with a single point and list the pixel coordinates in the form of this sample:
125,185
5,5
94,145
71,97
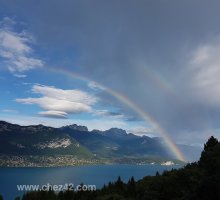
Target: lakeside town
69,160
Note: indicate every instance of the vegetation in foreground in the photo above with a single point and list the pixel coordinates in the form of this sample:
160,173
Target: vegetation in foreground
196,181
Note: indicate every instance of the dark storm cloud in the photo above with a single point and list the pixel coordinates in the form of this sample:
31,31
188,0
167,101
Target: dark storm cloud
139,48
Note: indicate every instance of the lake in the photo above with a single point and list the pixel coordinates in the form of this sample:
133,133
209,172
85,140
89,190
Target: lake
91,174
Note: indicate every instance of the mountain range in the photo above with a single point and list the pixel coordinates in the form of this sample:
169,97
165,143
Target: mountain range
78,141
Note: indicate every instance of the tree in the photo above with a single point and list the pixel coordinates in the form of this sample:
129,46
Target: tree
210,155
119,183
210,144
61,195
131,186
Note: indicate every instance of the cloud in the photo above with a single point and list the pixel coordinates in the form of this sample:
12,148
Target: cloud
143,131
123,50
205,69
107,113
95,86
15,48
20,75
9,111
60,103
53,114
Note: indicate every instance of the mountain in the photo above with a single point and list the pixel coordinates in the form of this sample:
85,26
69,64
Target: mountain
117,143
38,140
113,145
75,127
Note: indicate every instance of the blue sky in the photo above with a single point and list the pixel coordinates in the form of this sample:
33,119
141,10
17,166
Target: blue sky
34,92
55,99
162,56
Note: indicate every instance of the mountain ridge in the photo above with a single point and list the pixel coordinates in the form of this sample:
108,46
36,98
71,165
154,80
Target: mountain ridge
76,140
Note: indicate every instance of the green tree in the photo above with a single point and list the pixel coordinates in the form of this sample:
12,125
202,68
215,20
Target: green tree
210,144
61,195
119,184
210,155
131,186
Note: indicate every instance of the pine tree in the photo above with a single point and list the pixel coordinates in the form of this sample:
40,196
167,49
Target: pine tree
119,185
131,186
61,195
209,156
210,144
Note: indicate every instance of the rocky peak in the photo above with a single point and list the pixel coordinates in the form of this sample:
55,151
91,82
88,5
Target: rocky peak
116,132
76,127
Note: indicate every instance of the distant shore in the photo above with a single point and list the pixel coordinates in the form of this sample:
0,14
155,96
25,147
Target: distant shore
69,160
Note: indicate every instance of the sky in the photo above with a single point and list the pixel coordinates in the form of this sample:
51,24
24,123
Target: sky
104,63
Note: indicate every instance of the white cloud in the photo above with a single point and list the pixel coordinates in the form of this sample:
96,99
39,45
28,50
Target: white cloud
59,103
205,69
7,22
143,131
20,75
9,111
14,43
95,86
69,95
53,114
15,48
107,113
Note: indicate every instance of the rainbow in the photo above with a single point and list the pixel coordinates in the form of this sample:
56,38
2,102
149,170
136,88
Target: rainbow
122,98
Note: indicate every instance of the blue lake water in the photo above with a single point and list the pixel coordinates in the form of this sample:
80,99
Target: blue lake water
92,175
